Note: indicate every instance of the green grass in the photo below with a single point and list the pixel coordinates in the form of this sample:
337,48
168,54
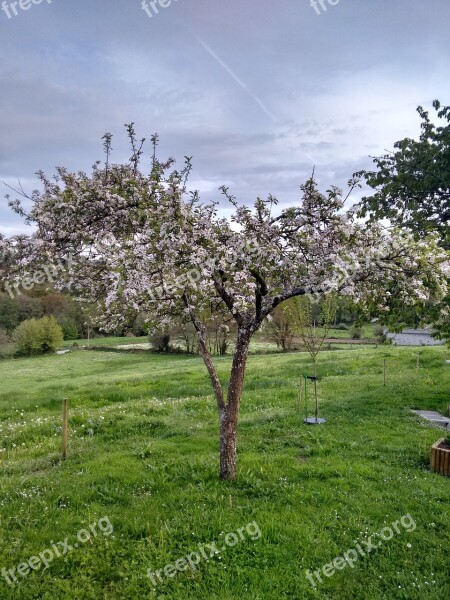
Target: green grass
367,332
143,452
259,344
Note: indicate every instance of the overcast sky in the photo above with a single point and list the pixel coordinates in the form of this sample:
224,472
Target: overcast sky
257,91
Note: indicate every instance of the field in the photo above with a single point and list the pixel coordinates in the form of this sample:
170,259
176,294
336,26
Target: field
259,344
143,465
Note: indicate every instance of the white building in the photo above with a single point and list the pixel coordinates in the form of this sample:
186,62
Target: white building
413,337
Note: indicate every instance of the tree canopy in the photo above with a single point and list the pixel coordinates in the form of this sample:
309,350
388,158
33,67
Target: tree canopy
412,183
412,190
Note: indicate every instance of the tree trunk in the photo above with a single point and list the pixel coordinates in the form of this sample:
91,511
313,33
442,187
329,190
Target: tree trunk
229,415
228,447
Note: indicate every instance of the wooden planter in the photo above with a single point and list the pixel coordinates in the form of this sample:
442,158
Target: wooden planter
440,457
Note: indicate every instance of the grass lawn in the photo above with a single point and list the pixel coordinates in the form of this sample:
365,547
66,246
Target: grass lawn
367,332
143,458
259,343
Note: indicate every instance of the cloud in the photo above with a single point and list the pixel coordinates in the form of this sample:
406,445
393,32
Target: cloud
258,92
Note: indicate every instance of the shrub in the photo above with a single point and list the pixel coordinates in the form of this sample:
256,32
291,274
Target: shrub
70,330
379,333
38,336
356,333
160,342
341,326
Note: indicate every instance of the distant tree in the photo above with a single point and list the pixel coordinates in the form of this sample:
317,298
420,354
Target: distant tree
160,341
6,345
217,336
15,310
67,312
279,329
412,190
346,311
28,308
412,183
4,338
9,317
141,242
56,305
188,334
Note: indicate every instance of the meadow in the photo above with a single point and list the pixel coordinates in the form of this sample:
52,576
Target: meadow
143,457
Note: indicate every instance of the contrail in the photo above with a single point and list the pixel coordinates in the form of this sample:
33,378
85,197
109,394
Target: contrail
243,85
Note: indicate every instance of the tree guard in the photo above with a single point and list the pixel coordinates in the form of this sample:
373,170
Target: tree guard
312,420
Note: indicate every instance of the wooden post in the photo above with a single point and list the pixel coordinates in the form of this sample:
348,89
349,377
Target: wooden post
315,391
299,398
65,428
306,399
315,395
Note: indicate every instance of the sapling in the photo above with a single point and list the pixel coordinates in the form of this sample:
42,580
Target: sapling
312,331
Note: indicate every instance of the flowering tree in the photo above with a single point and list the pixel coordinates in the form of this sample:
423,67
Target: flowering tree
141,243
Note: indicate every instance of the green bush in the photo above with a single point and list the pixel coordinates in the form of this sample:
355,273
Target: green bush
160,341
356,333
70,330
379,332
38,336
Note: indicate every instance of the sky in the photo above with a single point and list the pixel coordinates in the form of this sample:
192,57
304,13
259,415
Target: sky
258,92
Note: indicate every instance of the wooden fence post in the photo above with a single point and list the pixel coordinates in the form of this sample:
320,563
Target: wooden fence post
299,397
65,428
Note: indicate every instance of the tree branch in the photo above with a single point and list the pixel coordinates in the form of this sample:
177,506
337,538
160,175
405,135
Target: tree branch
218,390
228,301
261,291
